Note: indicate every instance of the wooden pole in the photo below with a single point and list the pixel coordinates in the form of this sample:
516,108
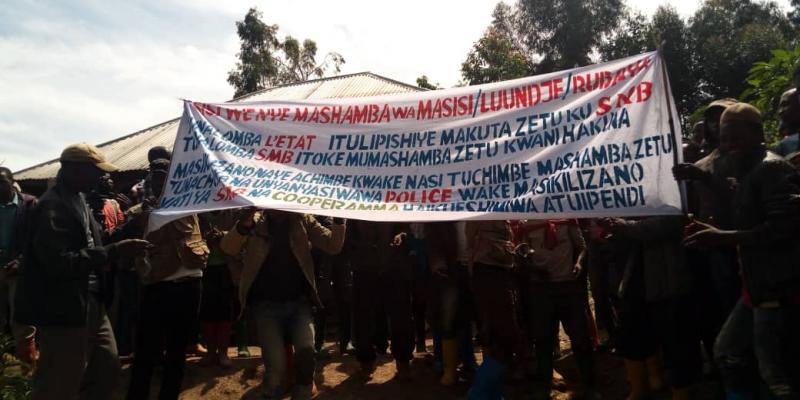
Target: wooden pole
673,135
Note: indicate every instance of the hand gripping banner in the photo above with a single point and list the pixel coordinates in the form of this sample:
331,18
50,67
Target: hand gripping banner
588,142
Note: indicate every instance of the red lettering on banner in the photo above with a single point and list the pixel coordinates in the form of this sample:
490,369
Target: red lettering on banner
227,193
637,94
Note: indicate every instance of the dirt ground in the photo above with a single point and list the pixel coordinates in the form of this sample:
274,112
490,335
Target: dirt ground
336,380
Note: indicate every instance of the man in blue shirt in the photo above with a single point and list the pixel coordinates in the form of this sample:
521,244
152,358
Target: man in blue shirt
15,209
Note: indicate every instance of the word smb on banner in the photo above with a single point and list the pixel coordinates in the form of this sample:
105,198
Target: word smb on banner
594,141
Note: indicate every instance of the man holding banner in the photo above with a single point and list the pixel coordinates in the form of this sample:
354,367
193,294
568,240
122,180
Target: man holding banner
278,288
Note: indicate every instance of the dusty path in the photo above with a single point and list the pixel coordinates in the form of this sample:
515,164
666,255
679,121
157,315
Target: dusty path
337,381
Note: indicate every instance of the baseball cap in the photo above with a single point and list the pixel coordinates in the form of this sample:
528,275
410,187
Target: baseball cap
86,153
741,112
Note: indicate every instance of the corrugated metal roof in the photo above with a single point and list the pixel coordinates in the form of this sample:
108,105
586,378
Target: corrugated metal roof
129,152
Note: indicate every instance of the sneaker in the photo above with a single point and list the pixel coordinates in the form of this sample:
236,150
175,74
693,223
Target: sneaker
243,352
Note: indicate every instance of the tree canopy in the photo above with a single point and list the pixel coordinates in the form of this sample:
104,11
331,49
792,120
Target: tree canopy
708,55
265,61
424,83
539,36
729,36
563,33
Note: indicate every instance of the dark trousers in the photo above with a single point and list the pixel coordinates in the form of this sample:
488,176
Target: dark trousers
371,291
217,303
419,305
342,281
420,288
670,325
452,305
564,302
760,341
495,290
77,362
167,319
380,328
601,294
718,289
126,310
325,291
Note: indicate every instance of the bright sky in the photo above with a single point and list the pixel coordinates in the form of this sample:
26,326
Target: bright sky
94,70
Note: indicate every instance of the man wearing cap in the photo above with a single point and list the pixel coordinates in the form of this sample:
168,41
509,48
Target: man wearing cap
709,201
60,288
763,229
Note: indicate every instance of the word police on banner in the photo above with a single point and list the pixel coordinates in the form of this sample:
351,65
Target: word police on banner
588,142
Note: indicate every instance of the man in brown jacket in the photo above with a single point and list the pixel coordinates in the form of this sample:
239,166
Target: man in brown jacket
170,298
278,287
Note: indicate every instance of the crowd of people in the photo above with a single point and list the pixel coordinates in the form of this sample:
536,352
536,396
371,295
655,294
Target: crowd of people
710,295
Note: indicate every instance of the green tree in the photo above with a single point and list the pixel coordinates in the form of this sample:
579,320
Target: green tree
256,65
636,34
564,33
265,61
424,83
794,15
630,37
500,53
766,81
670,31
729,36
494,58
539,36
299,62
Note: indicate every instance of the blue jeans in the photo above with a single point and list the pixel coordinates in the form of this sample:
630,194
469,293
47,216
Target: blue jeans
276,323
755,340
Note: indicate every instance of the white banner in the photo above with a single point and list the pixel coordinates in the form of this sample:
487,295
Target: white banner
588,142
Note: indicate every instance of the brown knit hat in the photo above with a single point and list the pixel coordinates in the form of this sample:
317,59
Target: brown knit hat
741,112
